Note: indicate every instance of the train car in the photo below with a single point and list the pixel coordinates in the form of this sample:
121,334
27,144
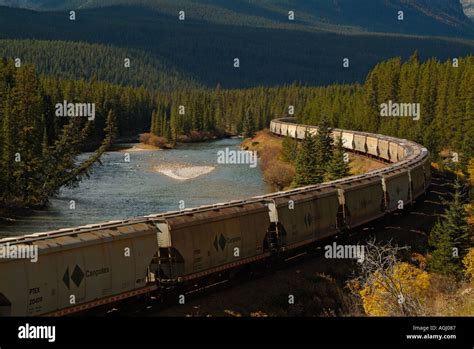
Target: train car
292,130
79,271
360,142
396,186
300,132
427,170
362,201
401,152
277,128
273,126
383,146
335,135
393,150
198,244
348,139
372,146
306,216
313,130
417,180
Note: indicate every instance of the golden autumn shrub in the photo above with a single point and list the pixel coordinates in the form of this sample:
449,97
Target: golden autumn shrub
468,262
398,293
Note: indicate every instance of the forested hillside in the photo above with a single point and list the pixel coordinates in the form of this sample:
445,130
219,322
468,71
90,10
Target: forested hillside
205,52
425,17
72,60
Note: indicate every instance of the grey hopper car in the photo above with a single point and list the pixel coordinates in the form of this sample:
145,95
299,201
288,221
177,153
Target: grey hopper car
396,186
360,142
305,217
79,271
198,244
362,201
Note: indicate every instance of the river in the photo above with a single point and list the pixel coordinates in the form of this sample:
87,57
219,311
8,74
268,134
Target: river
151,182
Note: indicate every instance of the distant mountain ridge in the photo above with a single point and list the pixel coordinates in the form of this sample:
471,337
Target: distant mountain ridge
168,54
422,17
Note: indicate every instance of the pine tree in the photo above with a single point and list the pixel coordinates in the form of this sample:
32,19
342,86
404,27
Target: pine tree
154,123
338,168
249,125
308,170
450,238
172,135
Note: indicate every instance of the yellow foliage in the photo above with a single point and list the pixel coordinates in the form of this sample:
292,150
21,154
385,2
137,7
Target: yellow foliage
232,313
470,170
381,295
469,264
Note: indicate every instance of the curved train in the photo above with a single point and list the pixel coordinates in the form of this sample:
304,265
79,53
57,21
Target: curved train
94,265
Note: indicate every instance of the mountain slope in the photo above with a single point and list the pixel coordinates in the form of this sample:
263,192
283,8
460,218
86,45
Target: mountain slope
204,51
422,17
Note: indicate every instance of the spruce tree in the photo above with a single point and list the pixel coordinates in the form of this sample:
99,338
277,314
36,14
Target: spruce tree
323,144
308,170
289,149
338,168
450,238
249,125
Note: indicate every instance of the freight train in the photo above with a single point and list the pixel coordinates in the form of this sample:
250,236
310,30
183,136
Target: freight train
99,264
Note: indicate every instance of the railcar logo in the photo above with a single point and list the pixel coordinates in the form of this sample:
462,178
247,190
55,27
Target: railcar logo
220,241
78,275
